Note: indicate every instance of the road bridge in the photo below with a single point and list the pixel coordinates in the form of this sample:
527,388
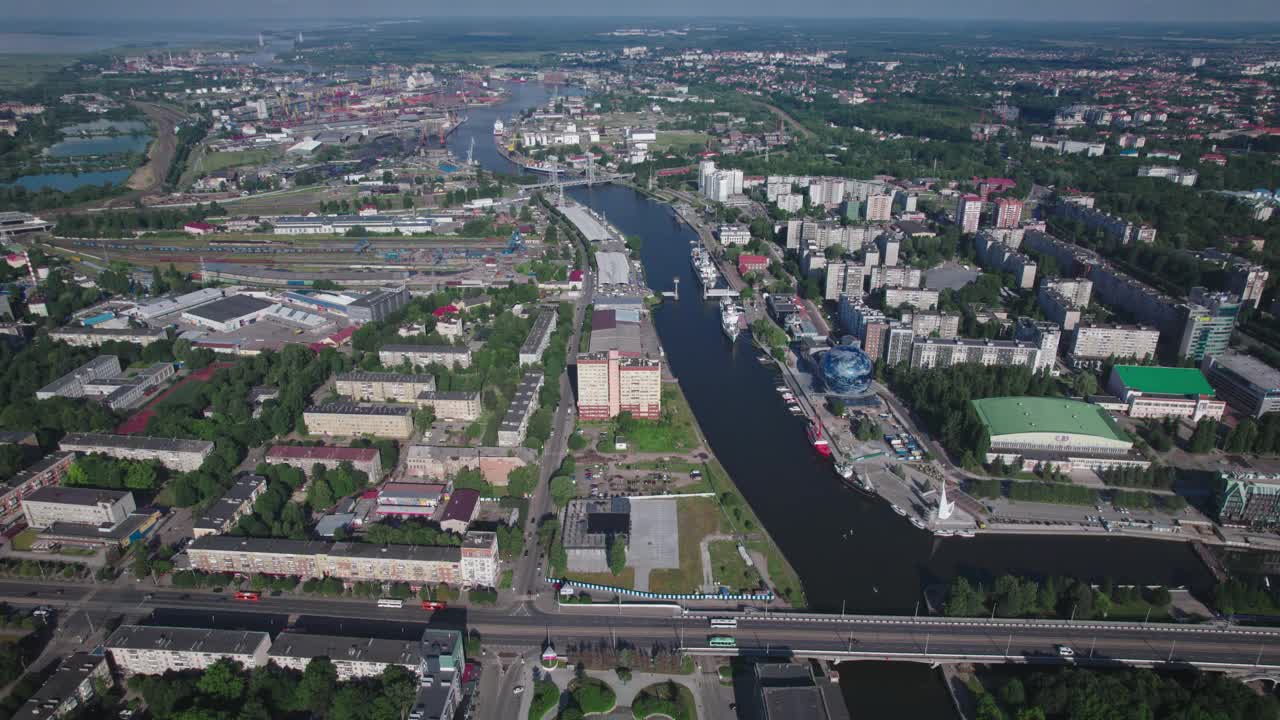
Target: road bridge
1242,650
580,181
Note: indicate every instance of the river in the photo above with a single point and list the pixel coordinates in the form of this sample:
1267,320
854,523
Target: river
884,563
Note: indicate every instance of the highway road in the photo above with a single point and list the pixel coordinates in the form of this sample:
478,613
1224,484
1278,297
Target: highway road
526,628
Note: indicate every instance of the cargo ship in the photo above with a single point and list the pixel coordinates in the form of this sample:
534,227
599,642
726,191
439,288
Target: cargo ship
819,442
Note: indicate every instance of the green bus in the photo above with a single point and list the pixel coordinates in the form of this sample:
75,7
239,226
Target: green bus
722,641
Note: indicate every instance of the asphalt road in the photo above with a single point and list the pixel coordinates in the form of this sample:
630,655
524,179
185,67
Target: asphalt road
870,637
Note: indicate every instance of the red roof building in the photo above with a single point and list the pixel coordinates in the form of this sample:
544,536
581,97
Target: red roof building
305,457
460,511
752,263
197,228
446,310
1214,158
575,276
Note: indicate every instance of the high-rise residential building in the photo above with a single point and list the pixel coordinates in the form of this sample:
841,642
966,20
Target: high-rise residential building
612,382
1091,345
941,325
889,247
930,352
898,343
879,208
969,213
1042,334
1247,280
1008,213
918,298
843,278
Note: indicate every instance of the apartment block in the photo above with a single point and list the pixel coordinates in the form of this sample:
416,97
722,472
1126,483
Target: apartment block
918,298
515,424
347,561
1091,345
156,650
1008,213
378,304
451,404
942,325
900,276
68,689
383,386
424,355
843,278
1044,335
94,337
1063,300
180,455
47,471
440,461
730,235
539,338
610,382
1116,228
969,213
354,658
234,504
306,457
899,341
998,250
930,353
351,419
878,208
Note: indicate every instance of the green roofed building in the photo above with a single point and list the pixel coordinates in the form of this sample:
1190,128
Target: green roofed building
1158,392
1159,380
1030,431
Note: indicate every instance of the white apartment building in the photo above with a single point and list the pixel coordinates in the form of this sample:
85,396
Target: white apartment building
1099,342
930,353
155,650
78,505
918,298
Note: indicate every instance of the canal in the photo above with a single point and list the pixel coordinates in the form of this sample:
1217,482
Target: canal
850,550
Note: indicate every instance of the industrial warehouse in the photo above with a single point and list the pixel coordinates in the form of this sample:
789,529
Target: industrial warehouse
1066,434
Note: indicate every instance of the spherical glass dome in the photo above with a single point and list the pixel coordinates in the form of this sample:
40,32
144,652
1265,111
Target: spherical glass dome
846,370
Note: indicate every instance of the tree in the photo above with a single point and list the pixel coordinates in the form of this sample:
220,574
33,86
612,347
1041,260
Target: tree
315,691
424,418
1204,437
521,481
222,680
617,552
563,489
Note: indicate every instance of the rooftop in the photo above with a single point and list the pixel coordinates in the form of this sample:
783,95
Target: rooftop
180,639
230,308
341,408
227,506
65,495
462,505
1163,380
135,442
1251,369
350,649
1012,415
361,376
322,452
452,349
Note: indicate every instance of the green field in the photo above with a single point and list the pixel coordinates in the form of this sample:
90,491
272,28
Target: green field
728,567
675,432
24,539
219,160
681,139
21,70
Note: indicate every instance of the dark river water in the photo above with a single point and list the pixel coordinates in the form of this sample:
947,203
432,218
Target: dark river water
885,563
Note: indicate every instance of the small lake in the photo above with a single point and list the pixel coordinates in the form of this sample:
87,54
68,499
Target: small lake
67,182
100,145
98,127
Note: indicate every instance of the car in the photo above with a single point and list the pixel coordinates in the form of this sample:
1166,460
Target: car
517,690
1065,651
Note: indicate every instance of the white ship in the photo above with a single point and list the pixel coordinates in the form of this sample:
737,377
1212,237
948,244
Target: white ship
498,127
704,267
730,318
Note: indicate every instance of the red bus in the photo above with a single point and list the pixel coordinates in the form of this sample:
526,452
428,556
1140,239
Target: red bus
434,605
248,595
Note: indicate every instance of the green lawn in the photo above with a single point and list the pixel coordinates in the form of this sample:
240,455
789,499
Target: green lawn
698,518
657,701
1137,610
675,432
729,569
681,138
508,577
24,539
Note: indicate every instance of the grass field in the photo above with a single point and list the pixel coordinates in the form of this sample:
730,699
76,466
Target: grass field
728,567
681,139
627,579
698,518
21,70
220,160
676,432
24,539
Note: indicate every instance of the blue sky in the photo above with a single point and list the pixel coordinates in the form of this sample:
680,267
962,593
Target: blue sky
1090,10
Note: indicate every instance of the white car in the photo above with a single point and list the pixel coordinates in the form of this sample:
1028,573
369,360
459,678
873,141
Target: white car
1065,651
517,690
